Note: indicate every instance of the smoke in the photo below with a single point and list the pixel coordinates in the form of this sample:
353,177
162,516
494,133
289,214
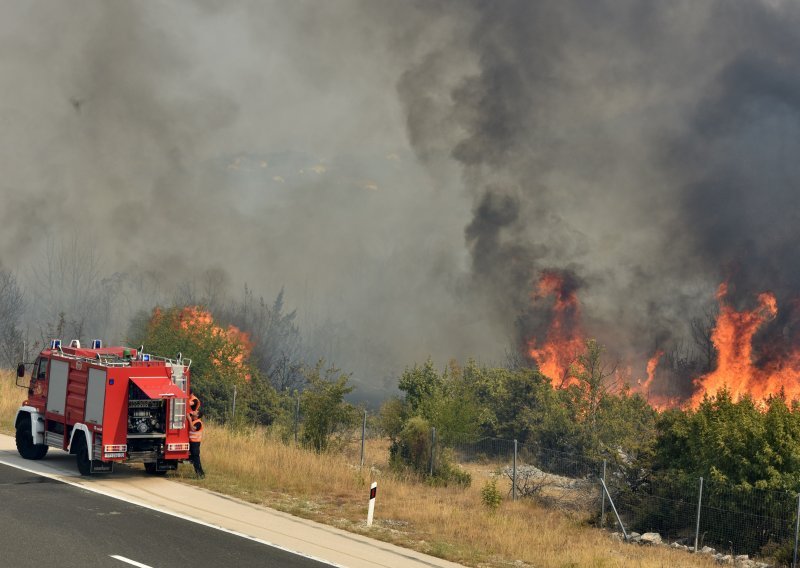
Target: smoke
647,149
260,142
743,174
408,170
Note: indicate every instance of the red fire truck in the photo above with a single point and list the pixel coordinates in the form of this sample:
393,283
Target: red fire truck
105,405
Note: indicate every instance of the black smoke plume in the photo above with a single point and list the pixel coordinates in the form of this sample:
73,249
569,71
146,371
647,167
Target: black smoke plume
649,148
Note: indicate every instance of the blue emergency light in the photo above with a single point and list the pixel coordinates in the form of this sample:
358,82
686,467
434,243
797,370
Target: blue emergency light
55,344
97,343
145,357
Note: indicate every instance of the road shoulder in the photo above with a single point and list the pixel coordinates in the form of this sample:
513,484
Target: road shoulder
230,514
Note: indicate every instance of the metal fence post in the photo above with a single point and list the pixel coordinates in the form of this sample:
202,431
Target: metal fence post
296,418
363,436
433,447
603,503
697,526
233,411
614,508
796,533
514,477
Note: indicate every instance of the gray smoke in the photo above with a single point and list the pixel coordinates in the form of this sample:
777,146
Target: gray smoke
199,146
646,148
407,170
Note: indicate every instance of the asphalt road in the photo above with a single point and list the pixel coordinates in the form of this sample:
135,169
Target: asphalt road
44,522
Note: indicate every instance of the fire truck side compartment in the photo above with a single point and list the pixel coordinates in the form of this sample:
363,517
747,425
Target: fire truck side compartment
76,392
115,419
95,396
57,388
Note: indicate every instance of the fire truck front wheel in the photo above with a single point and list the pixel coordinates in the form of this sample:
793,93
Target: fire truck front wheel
25,446
82,455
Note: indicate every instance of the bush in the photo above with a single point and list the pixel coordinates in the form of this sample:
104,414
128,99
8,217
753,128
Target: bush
412,450
413,446
490,495
327,416
782,553
392,416
448,473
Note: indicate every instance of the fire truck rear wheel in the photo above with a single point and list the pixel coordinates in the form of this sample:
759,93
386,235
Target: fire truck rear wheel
82,456
25,446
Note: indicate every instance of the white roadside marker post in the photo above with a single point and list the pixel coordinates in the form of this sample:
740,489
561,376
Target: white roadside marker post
373,491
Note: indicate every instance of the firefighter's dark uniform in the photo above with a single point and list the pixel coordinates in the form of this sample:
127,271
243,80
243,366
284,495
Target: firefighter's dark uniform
195,437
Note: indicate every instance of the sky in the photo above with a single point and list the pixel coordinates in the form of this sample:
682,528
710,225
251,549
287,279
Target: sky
408,170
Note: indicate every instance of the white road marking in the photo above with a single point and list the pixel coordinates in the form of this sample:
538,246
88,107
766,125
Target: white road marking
129,561
60,477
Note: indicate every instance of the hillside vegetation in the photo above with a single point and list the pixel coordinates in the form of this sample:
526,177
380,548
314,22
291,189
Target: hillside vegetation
450,522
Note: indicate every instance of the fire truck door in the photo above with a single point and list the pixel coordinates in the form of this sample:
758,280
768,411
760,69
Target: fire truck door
38,385
57,389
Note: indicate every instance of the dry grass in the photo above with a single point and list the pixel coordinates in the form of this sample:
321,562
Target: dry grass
447,522
11,396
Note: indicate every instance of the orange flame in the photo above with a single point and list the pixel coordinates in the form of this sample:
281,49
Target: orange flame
564,339
736,370
652,363
651,366
238,344
657,400
776,372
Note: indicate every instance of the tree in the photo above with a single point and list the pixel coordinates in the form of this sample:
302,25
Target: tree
219,355
276,339
523,405
12,306
421,385
412,447
447,401
681,364
741,443
325,412
702,331
625,431
594,381
71,294
392,416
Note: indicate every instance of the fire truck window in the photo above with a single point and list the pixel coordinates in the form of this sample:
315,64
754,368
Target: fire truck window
41,370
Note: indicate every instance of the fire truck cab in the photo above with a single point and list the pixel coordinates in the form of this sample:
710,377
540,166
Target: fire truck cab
105,405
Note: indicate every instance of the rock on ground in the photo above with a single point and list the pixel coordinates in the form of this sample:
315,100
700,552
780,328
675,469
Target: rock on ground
652,538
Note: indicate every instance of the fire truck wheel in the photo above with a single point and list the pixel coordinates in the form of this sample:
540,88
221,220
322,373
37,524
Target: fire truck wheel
82,456
151,469
25,446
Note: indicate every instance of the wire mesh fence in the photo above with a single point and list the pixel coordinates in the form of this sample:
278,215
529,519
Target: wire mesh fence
731,520
360,442
748,521
666,506
555,479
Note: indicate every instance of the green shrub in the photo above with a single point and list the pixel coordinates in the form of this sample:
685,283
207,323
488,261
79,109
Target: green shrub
782,553
327,417
412,450
447,473
413,446
490,495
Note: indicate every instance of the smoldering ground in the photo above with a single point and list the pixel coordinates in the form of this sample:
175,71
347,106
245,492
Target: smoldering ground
411,168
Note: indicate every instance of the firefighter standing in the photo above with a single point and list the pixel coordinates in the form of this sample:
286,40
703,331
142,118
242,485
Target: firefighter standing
195,436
